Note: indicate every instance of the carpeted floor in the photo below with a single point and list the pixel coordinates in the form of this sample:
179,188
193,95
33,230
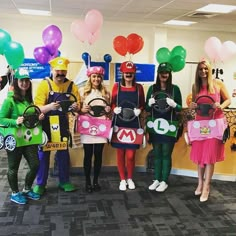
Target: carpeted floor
111,212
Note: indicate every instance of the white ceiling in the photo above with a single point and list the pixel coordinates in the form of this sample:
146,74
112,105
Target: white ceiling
139,11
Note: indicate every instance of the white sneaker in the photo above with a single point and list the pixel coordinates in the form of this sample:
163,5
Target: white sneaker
154,185
123,185
162,187
131,184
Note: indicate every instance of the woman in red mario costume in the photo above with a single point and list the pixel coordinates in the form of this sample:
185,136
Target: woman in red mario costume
127,94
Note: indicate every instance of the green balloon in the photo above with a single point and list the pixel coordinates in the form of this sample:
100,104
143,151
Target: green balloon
177,63
4,39
163,55
14,54
178,51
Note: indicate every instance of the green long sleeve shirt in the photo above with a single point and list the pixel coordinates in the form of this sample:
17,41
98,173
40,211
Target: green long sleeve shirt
11,110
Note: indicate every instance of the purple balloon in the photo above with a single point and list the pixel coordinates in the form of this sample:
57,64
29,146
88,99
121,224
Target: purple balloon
52,38
42,55
56,54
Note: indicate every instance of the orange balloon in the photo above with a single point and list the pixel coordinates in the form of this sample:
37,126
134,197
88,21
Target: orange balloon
189,99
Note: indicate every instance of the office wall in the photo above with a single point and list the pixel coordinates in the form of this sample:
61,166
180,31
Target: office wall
28,31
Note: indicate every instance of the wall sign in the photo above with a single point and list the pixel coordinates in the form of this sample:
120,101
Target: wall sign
36,70
145,73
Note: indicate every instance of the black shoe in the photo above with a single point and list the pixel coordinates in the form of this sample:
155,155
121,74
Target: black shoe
88,188
96,187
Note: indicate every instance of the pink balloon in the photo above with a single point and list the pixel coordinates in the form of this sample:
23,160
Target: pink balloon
93,20
79,30
93,37
228,50
52,38
42,55
213,48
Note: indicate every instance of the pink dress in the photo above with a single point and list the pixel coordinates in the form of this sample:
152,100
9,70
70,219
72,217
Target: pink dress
212,150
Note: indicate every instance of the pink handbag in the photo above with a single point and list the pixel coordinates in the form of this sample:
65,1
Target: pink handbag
206,129
94,126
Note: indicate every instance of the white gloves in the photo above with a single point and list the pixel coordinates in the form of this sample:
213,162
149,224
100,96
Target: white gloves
137,111
117,110
171,102
151,101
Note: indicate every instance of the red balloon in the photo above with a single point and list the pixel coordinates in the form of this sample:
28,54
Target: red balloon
134,43
120,45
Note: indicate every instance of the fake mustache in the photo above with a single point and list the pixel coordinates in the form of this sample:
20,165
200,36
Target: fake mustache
129,75
60,75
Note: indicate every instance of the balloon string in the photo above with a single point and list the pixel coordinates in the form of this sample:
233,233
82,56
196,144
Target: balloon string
87,48
11,77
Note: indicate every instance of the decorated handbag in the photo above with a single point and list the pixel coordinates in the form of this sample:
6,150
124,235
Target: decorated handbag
162,126
29,133
206,129
94,126
58,135
128,135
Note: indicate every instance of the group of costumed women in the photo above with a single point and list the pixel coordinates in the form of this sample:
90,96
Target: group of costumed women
128,107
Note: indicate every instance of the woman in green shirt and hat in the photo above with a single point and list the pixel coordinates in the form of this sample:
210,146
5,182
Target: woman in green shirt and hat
163,101
11,116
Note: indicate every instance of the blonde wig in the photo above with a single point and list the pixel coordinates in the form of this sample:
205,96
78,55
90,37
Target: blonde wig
102,88
198,80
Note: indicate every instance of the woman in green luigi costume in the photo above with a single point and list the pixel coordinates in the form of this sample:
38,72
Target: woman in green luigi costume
11,115
163,101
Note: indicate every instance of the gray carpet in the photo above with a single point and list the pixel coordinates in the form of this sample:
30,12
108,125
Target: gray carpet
111,212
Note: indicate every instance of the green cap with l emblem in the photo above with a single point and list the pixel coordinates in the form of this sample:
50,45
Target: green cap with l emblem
21,73
164,67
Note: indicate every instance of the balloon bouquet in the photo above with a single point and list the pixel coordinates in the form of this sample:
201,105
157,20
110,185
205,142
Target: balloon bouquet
52,38
14,54
219,52
13,51
87,58
176,57
131,44
88,30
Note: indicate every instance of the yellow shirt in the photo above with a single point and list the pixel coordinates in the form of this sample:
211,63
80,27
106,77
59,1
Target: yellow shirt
43,90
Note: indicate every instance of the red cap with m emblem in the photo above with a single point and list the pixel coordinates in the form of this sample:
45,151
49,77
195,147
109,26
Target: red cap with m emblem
128,67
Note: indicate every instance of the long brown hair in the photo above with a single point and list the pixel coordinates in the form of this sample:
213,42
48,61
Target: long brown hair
169,85
17,93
